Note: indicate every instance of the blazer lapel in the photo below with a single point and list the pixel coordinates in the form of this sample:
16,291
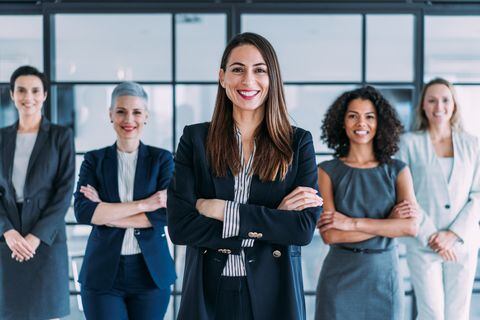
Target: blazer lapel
39,143
142,172
110,169
8,151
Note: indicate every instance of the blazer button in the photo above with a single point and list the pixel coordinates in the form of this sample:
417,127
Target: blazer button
277,254
252,234
28,200
228,251
447,206
136,232
259,235
221,250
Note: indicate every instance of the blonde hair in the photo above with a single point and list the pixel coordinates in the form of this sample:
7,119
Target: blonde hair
421,118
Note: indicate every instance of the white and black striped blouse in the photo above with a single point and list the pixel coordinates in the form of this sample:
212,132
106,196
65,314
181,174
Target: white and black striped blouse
235,266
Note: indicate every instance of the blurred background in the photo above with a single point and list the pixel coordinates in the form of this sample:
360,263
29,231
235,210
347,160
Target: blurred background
174,50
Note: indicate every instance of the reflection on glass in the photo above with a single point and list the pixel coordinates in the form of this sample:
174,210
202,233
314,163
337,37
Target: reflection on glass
124,47
90,106
20,43
312,47
8,112
468,99
195,103
192,44
390,47
401,100
307,106
452,48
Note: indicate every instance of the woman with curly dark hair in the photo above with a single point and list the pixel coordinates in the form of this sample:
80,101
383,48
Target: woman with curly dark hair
368,201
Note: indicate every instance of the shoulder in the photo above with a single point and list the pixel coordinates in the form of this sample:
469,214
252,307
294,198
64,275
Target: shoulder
467,137
158,153
397,165
97,153
329,166
412,137
301,137
198,128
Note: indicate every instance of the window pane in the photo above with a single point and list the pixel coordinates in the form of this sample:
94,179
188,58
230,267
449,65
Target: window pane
195,103
192,43
401,100
20,43
390,47
123,47
468,97
452,48
90,106
8,112
307,106
312,47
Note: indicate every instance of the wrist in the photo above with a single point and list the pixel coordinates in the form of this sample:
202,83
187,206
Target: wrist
141,206
354,225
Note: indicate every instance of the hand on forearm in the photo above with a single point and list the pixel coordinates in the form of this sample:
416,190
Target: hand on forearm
442,240
301,198
211,208
335,220
404,210
138,221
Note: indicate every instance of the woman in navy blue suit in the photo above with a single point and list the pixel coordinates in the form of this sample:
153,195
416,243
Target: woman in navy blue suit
243,197
127,269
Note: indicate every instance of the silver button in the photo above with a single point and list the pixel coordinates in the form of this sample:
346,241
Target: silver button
136,232
228,251
277,254
259,235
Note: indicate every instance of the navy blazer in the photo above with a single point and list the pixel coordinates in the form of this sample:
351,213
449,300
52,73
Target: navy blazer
102,255
273,264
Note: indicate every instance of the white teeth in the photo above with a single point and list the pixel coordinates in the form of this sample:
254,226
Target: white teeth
361,132
438,114
248,93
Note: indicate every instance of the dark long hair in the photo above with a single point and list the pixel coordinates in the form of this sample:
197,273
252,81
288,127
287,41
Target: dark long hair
389,127
273,137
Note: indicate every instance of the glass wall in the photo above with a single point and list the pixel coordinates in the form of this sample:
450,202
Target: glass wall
176,55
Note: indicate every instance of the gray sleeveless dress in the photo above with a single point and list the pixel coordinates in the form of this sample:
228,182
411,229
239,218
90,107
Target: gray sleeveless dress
361,280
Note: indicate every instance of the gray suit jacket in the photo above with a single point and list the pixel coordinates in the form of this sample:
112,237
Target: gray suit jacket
452,204
43,280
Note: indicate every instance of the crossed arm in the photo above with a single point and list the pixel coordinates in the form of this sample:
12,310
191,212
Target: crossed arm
336,227
126,214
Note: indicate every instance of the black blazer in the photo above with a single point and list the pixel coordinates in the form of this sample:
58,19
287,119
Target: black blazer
153,173
47,196
274,263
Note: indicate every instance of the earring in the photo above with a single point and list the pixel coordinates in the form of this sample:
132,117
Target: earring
145,123
111,121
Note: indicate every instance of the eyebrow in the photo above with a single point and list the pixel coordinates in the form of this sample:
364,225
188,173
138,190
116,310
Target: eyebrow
359,113
21,87
243,65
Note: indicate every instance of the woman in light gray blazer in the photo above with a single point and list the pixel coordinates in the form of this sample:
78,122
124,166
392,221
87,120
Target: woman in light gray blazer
445,164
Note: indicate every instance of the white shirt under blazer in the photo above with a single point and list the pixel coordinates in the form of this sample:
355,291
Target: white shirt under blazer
455,205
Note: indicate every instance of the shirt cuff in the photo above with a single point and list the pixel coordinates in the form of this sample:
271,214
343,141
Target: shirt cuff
231,221
248,243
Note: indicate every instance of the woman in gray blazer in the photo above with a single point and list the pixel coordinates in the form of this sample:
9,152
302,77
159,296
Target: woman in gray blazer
445,164
36,182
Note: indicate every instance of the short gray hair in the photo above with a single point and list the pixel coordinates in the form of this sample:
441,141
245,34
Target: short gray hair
128,88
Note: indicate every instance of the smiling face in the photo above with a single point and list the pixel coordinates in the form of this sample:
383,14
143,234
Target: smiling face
438,104
28,95
361,121
245,78
129,116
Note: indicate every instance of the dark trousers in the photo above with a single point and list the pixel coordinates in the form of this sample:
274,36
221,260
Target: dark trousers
233,299
134,295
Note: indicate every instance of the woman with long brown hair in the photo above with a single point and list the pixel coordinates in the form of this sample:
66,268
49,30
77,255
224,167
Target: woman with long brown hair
244,195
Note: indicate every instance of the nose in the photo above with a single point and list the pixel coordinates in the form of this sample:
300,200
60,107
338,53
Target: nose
247,78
